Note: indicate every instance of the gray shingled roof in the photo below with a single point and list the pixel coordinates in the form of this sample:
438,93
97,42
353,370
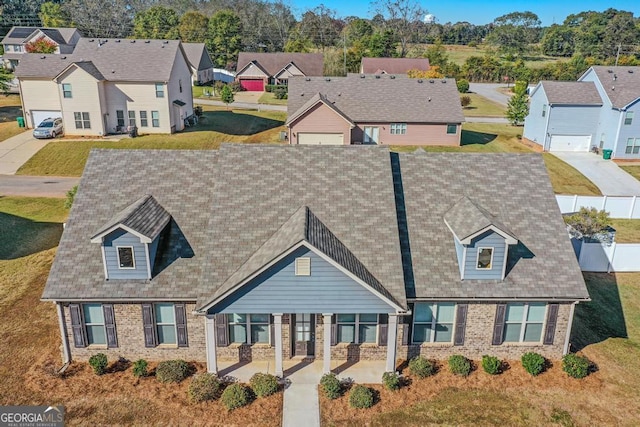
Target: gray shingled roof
512,187
311,64
467,218
393,65
17,35
170,176
115,59
197,55
622,83
145,216
315,99
382,98
572,93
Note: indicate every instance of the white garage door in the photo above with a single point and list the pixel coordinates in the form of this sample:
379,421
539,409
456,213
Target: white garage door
570,143
38,116
320,138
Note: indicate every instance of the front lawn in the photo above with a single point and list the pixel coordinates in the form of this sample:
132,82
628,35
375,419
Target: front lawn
199,92
67,158
10,109
270,99
568,180
482,107
627,230
632,170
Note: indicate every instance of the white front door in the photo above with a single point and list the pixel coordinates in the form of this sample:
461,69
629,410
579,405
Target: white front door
371,135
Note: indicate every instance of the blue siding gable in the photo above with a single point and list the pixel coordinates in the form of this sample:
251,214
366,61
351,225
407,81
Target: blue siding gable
279,290
117,238
488,239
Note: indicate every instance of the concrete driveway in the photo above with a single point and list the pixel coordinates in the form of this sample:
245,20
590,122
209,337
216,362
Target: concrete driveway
611,180
15,151
490,91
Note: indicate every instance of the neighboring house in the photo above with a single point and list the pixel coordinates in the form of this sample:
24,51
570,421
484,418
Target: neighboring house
601,110
17,38
215,256
200,62
393,65
108,85
368,109
255,70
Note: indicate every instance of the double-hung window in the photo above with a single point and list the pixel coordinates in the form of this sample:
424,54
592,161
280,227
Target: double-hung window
357,328
452,129
628,117
144,122
248,328
523,322
120,118
433,322
159,90
544,110
82,120
132,118
398,128
155,119
94,324
633,146
66,90
166,323
485,259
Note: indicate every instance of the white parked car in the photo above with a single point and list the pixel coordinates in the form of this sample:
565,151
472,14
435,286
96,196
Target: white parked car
49,128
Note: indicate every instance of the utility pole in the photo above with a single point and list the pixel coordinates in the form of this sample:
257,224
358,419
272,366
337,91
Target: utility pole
344,45
618,54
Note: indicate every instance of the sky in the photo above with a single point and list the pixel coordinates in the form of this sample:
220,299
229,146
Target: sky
480,13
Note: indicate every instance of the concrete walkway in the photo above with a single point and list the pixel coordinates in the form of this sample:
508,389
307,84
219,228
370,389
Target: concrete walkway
15,151
610,179
36,186
490,91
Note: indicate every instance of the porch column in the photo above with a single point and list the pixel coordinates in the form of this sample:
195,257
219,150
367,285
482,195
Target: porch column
277,326
326,354
210,341
392,337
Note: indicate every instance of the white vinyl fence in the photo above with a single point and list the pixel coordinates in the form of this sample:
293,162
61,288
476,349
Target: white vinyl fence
619,257
618,207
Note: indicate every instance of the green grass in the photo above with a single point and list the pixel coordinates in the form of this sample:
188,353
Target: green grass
627,230
198,92
270,99
482,107
568,180
67,158
10,109
632,170
459,54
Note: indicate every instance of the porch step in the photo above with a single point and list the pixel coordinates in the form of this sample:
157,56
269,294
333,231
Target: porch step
301,406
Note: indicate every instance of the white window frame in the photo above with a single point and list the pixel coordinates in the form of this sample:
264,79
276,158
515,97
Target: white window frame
131,114
299,270
133,257
85,123
159,90
455,129
634,147
144,121
84,321
356,332
628,118
434,323
155,121
478,257
120,120
544,110
398,128
174,324
248,328
65,91
524,322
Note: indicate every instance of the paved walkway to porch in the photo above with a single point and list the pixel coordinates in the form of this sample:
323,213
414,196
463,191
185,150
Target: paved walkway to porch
301,406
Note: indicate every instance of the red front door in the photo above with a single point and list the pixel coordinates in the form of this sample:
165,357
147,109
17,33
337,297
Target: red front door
252,85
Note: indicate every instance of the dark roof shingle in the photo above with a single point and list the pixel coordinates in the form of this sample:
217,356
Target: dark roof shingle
311,64
571,93
393,65
621,83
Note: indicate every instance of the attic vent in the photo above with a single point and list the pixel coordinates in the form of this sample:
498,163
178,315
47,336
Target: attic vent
377,76
339,93
308,79
133,41
362,76
630,71
419,80
327,79
609,71
392,77
615,77
118,41
429,99
147,41
113,71
91,40
303,266
43,57
63,57
443,81
430,81
302,94
165,42
162,46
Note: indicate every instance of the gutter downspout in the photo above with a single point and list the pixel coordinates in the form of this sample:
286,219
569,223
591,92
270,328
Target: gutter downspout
66,351
565,349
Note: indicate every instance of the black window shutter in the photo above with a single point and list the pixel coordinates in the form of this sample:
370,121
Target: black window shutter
461,323
272,335
222,332
406,326
77,325
149,325
552,319
498,325
110,325
334,330
383,329
181,324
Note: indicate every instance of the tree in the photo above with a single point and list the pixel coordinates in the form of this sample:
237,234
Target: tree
321,26
465,101
193,27
437,54
41,45
401,17
463,86
512,33
101,18
431,73
226,95
381,44
157,22
517,109
225,39
558,41
588,222
5,78
52,15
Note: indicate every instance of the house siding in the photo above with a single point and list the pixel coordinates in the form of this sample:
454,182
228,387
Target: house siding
137,96
320,119
39,95
85,97
488,239
562,120
628,131
417,134
179,73
252,72
534,123
122,238
326,290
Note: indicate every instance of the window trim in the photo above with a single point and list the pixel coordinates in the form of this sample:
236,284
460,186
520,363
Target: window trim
159,90
248,324
524,322
398,128
120,120
480,248
155,122
434,323
103,324
455,129
157,324
131,114
66,91
144,121
544,110
133,257
356,323
634,147
84,123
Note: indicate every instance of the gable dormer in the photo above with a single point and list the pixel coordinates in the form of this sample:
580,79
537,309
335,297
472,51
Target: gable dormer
481,241
129,241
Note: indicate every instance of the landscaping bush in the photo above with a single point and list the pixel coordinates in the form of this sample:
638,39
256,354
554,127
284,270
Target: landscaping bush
276,88
533,363
281,93
575,366
459,365
235,396
204,387
421,367
361,397
463,85
491,364
331,386
465,100
391,380
264,384
172,371
140,368
236,87
99,363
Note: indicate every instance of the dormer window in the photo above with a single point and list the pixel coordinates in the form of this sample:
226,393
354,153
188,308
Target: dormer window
485,258
303,266
125,257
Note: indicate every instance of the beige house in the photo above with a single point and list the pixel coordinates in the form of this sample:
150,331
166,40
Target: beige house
200,62
109,85
16,41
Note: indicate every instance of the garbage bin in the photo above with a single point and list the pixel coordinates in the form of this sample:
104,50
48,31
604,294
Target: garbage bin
133,131
20,121
606,154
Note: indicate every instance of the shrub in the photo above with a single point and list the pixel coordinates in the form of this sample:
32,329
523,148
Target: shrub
533,363
197,110
361,397
172,371
281,93
463,85
465,100
71,195
203,387
473,43
264,384
331,386
140,368
491,364
459,365
421,367
391,380
236,87
99,363
575,366
235,396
